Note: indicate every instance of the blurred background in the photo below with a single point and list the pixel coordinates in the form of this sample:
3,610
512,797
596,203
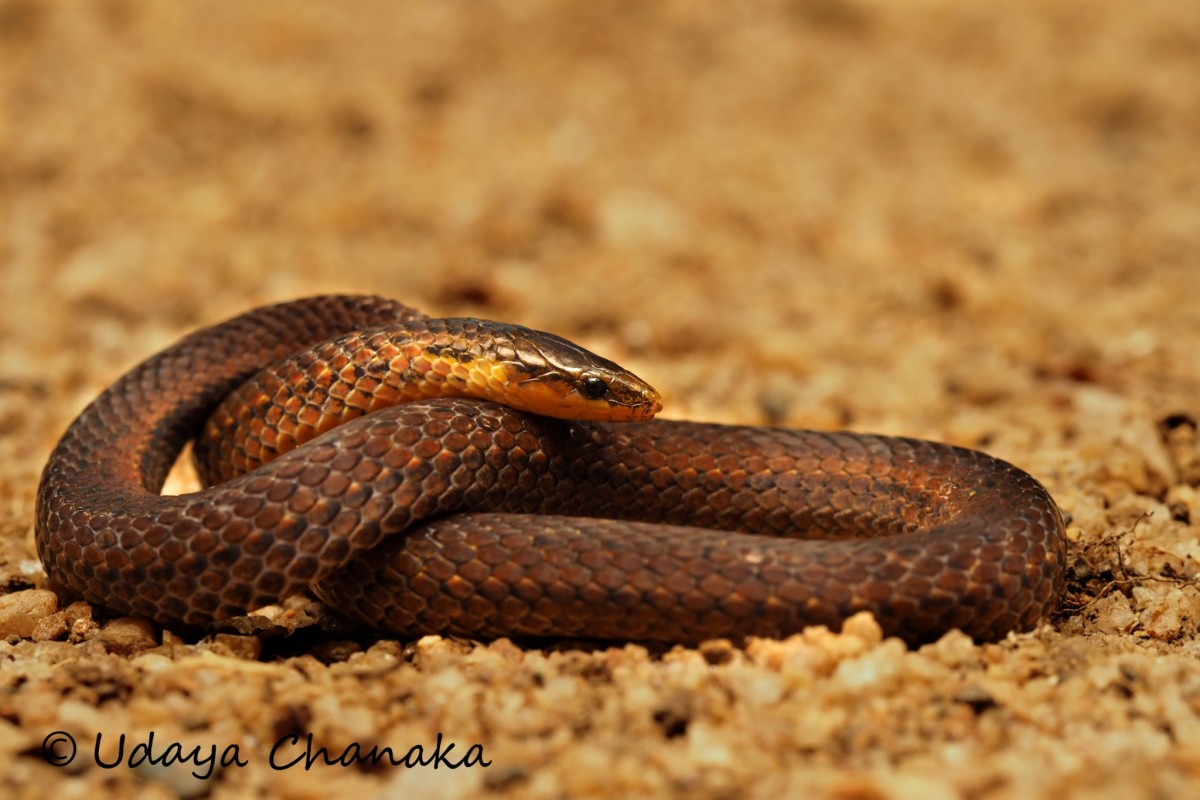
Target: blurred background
926,219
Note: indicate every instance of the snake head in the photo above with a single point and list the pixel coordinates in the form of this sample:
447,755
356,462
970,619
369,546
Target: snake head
558,378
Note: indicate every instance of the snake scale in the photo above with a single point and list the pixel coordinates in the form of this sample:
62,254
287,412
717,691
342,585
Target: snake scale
368,468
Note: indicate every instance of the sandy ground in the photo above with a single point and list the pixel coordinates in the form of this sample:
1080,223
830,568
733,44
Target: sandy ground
977,223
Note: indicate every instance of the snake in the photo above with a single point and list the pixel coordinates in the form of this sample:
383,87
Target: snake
480,479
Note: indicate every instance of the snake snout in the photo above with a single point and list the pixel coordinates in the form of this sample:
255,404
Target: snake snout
638,399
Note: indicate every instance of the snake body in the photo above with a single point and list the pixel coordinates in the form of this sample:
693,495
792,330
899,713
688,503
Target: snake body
455,514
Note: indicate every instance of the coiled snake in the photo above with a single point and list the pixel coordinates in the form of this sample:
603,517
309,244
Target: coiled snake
451,513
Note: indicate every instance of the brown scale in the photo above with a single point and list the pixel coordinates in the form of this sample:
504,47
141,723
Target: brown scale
677,531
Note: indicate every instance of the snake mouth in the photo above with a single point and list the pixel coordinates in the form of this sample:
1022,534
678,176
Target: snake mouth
562,397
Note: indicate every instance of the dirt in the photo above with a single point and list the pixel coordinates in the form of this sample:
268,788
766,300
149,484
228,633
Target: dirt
976,223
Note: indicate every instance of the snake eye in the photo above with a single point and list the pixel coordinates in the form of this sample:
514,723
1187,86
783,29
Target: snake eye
593,388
